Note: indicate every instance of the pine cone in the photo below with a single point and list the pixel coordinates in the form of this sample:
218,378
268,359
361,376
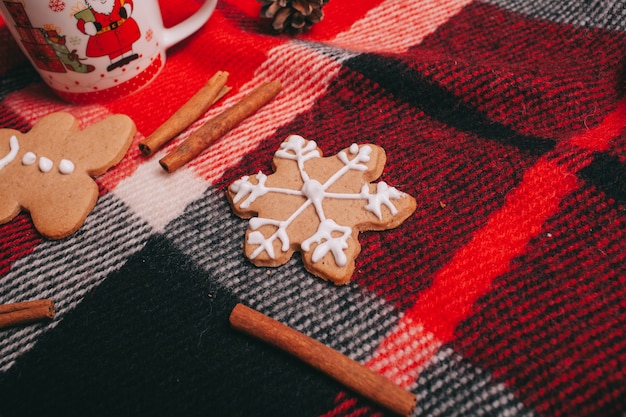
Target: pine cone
292,16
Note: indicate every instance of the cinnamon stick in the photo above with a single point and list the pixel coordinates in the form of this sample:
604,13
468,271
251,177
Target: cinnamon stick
25,312
188,113
350,373
219,126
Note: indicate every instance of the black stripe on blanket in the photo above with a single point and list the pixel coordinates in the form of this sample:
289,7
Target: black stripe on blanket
408,85
146,340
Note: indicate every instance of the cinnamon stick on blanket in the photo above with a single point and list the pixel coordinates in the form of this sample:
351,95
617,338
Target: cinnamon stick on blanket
188,113
219,126
352,374
25,312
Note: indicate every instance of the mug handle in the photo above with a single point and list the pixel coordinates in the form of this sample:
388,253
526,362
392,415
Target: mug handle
188,26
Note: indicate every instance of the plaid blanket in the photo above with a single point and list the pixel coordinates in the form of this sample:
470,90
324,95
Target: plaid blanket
503,294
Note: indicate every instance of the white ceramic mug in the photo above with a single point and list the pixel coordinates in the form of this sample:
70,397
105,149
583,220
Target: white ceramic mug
91,51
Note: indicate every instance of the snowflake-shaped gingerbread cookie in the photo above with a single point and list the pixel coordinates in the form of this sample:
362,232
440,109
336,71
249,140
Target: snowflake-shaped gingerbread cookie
317,205
49,171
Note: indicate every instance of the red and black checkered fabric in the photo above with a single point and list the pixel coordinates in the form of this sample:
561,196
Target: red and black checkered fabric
503,294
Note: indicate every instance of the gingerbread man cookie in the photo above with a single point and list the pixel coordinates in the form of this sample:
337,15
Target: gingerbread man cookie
317,205
49,171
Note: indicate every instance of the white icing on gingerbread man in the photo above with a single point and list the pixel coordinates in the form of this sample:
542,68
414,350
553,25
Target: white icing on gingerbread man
14,148
45,164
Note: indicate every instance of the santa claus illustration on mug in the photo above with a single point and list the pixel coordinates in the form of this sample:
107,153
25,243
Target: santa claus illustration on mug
111,29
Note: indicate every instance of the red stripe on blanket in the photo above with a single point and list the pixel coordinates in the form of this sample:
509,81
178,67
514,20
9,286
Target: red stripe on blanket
543,322
18,238
451,297
598,138
469,275
557,321
488,255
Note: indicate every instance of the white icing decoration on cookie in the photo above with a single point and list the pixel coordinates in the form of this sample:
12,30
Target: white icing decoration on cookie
45,164
384,195
14,147
330,236
243,187
327,242
66,166
29,158
301,153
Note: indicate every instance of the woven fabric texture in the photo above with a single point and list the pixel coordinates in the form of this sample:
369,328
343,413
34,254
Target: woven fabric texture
503,294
